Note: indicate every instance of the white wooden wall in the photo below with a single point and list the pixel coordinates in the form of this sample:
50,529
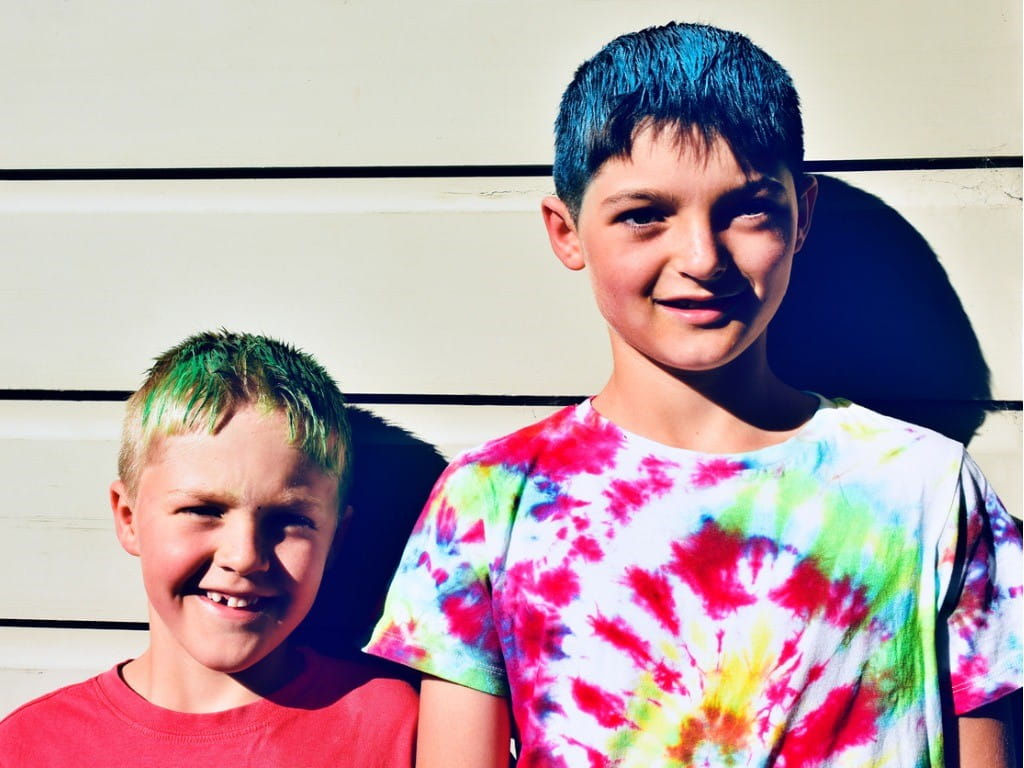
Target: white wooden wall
362,178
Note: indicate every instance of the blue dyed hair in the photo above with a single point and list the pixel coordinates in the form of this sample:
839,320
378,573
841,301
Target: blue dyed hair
680,76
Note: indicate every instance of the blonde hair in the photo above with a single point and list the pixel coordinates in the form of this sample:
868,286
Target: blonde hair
197,383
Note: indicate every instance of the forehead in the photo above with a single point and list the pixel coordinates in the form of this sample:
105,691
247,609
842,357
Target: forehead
682,161
250,444
249,459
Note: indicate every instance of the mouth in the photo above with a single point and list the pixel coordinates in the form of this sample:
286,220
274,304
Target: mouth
719,302
238,602
713,311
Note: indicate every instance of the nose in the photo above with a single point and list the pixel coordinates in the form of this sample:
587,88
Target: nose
697,251
241,547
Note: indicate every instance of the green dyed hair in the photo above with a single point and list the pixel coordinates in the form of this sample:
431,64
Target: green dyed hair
207,377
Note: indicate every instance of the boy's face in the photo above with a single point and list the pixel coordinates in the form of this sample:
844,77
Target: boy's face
233,531
689,256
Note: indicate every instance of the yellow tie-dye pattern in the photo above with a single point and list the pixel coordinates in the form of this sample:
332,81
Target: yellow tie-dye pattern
668,734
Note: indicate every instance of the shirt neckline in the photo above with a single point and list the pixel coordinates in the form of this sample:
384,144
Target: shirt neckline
138,712
811,431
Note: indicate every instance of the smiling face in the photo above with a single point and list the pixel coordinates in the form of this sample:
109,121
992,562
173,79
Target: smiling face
233,530
689,255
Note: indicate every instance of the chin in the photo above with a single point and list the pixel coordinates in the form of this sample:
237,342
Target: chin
234,661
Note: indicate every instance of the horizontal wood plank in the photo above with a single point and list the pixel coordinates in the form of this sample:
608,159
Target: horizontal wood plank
909,286
909,291
59,458
36,661
398,82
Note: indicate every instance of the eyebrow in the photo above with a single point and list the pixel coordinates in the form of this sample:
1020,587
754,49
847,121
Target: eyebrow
289,498
766,185
633,196
205,496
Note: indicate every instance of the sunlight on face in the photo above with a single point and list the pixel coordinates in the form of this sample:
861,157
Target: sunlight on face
233,530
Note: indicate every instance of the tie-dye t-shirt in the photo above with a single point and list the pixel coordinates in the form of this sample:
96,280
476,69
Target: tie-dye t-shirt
800,605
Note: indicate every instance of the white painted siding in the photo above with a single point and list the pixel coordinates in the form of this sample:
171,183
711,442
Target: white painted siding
419,286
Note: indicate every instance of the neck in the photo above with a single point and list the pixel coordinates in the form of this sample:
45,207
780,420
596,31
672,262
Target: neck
184,685
741,406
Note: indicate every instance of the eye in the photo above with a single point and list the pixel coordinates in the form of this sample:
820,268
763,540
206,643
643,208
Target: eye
756,209
202,510
286,525
299,521
284,520
639,218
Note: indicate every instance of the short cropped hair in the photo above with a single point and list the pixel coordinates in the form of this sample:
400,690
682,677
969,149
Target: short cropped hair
681,76
198,383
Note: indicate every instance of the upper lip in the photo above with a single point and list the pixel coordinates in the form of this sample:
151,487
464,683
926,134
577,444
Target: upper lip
697,301
245,595
236,600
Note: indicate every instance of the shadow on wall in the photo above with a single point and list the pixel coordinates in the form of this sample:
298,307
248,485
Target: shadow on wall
394,472
871,316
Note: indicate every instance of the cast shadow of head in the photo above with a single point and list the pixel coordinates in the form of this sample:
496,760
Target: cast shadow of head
393,475
871,316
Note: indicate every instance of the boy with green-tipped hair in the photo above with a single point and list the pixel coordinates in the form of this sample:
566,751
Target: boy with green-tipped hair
234,462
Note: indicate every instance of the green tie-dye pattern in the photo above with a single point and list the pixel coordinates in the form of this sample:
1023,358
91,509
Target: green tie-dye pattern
790,609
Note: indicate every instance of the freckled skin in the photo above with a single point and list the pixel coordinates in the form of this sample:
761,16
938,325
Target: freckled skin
240,511
661,225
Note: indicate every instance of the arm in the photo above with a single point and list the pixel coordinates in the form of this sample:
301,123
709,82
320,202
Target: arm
985,736
981,557
462,728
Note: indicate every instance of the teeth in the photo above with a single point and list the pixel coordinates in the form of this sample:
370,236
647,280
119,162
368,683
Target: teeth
232,602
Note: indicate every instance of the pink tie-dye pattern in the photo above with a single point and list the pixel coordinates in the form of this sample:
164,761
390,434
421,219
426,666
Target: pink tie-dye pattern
627,496
653,593
559,447
715,471
709,563
712,576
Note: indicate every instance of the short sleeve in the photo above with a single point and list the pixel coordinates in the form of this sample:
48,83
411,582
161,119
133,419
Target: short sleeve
438,614
981,553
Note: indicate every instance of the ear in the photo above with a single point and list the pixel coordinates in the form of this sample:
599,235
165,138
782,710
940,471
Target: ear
805,208
565,242
124,518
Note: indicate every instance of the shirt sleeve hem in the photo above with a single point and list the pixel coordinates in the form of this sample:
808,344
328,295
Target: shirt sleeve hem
485,678
973,694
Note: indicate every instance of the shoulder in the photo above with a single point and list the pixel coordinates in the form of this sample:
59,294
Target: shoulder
52,716
575,435
51,704
856,428
358,680
573,440
369,714
525,442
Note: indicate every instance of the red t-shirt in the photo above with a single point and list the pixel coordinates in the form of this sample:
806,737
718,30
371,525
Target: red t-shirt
336,713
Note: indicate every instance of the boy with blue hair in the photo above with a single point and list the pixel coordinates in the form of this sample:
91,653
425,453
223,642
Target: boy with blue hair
235,459
702,565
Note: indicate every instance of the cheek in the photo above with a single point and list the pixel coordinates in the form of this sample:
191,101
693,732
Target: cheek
303,561
168,558
765,259
616,285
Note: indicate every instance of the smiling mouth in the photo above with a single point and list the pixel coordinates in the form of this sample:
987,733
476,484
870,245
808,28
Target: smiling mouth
246,603
711,302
